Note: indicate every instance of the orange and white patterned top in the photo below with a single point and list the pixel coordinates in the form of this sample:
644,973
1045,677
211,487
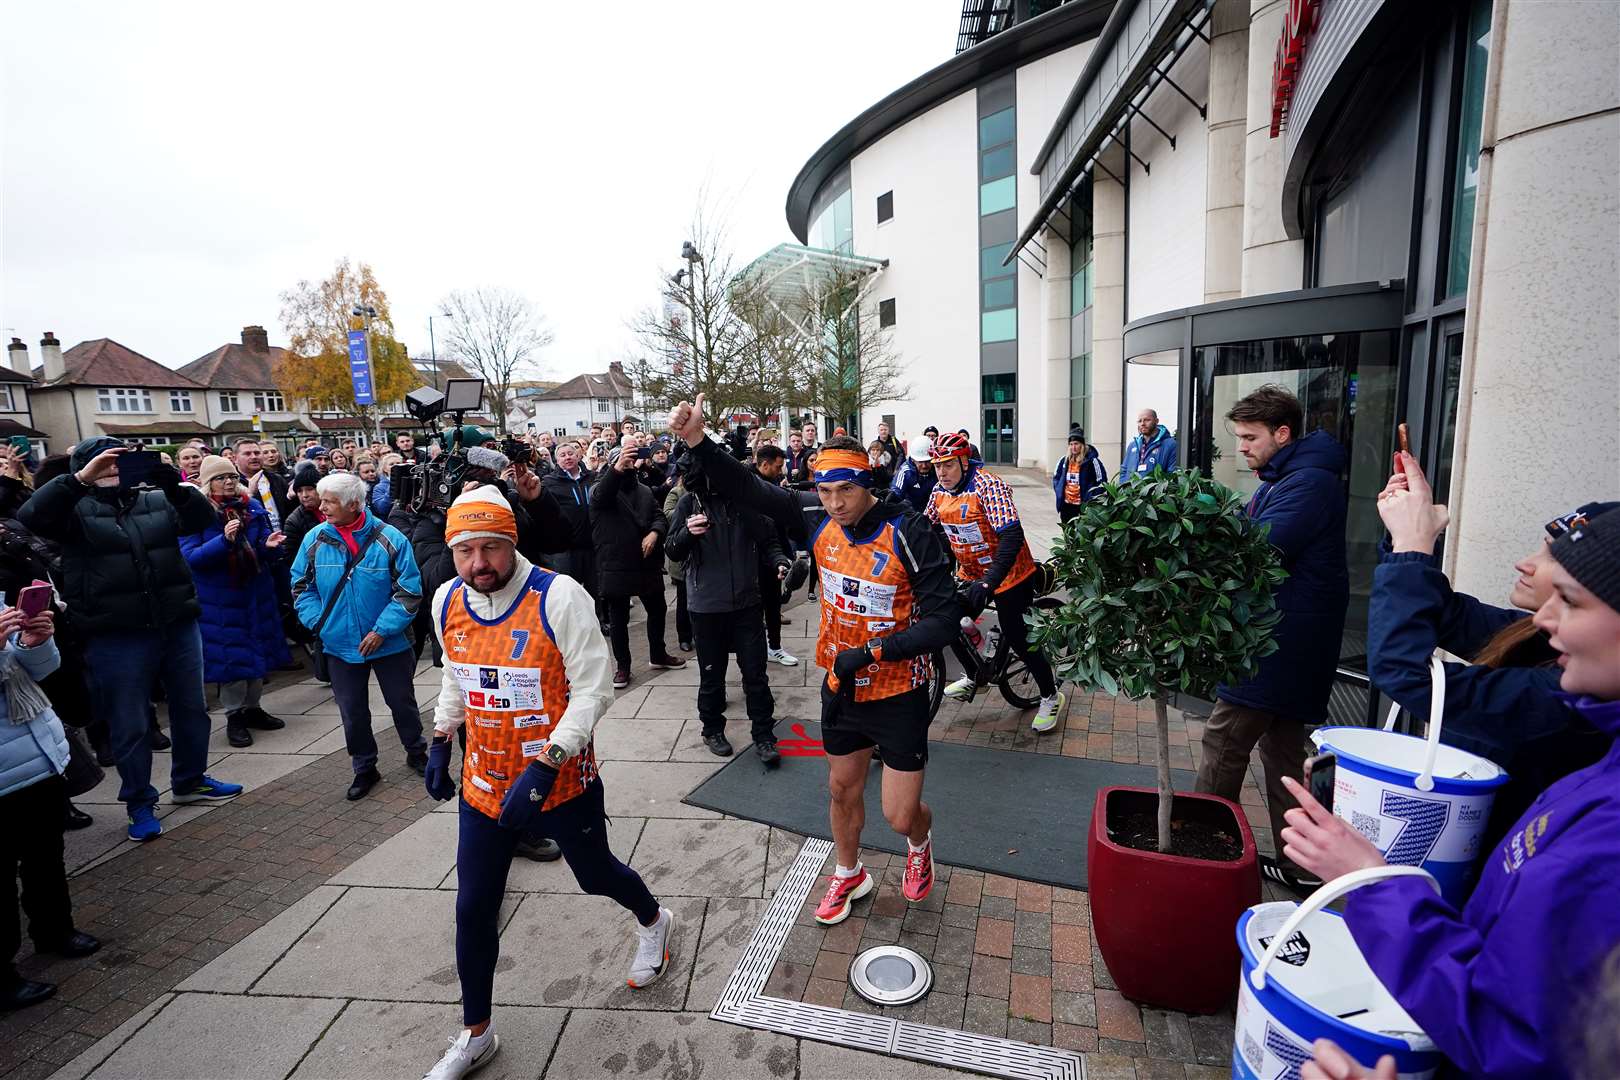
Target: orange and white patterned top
866,594
972,519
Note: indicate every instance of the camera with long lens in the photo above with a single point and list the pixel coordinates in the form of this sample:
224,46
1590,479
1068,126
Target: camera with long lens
435,482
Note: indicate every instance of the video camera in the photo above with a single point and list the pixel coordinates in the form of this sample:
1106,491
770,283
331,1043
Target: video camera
435,482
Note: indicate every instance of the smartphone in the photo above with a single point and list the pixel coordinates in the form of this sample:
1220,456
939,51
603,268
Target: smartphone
1320,772
33,599
135,467
645,452
21,444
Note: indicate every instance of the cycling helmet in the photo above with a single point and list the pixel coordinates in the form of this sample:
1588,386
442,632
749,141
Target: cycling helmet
950,445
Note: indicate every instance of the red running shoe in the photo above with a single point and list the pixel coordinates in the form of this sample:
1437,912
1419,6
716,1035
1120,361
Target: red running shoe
841,894
920,872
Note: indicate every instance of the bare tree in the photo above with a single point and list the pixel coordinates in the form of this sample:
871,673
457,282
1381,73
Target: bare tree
496,333
771,353
849,363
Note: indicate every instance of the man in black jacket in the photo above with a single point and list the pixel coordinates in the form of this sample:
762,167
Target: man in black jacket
724,546
570,485
628,532
128,584
770,464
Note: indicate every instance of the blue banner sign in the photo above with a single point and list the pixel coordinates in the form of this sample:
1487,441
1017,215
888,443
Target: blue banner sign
360,367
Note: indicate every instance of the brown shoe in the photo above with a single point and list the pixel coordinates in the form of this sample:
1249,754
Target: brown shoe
621,678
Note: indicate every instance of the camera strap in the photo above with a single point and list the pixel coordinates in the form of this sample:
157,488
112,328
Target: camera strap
348,571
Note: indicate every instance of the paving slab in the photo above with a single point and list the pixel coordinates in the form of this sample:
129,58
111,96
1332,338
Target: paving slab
255,770
677,701
235,970
385,1040
108,837
620,739
397,944
106,792
626,702
686,1045
299,733
197,1034
528,876
417,857
104,1047
689,745
680,857
655,789
825,1060
574,951
294,699
727,926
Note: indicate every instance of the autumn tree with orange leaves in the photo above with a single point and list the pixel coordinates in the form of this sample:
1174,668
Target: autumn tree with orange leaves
318,316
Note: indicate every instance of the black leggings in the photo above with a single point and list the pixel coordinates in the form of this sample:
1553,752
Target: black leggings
483,858
1010,607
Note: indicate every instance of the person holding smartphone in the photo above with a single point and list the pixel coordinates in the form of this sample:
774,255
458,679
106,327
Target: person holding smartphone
131,592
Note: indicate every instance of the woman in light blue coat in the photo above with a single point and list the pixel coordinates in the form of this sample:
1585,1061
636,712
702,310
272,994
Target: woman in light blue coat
33,756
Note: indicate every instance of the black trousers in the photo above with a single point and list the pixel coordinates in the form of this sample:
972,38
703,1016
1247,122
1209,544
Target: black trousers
1069,511
683,617
1011,606
770,591
619,625
31,851
719,635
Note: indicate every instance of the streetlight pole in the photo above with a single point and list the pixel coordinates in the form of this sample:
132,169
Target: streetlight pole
367,312
433,351
690,253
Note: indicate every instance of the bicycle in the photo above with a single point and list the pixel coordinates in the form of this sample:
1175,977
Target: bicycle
998,664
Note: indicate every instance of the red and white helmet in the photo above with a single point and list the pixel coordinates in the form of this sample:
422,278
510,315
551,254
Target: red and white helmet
951,444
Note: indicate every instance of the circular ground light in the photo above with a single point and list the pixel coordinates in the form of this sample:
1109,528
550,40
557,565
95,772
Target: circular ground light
890,975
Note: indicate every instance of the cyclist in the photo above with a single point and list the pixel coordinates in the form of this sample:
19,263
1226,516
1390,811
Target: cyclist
886,606
975,509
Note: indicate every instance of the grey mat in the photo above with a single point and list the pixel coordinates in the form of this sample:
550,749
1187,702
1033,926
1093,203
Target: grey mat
1002,811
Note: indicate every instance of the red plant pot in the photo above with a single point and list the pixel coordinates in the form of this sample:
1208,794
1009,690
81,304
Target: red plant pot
1164,922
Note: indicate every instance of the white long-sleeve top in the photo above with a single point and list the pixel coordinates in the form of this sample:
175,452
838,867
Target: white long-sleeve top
587,662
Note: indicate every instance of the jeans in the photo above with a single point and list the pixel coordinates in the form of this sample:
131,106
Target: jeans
350,686
123,669
741,632
1010,607
483,859
683,617
619,626
239,695
31,850
1230,735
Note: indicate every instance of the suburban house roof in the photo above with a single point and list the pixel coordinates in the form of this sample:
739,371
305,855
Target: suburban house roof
607,384
158,427
104,362
9,427
248,364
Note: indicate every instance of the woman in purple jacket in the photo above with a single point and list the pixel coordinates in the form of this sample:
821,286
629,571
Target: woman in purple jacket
1503,986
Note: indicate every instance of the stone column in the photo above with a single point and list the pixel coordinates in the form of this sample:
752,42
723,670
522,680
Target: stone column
1272,262
1108,313
1057,348
1224,195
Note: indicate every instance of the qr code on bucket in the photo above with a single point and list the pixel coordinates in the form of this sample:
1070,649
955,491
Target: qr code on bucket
1251,1051
1365,824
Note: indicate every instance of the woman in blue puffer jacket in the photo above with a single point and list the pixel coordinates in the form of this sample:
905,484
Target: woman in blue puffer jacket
33,757
231,564
1501,705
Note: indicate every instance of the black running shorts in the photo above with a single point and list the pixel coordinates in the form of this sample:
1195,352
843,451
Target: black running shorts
897,726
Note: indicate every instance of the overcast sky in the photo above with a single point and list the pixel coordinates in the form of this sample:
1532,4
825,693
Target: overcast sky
170,168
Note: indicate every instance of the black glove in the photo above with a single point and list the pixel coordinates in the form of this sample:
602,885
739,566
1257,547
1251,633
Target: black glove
848,664
166,477
439,784
977,598
525,797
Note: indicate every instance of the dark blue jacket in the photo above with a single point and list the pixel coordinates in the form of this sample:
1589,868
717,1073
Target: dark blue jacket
1302,499
1092,476
912,484
241,621
1156,453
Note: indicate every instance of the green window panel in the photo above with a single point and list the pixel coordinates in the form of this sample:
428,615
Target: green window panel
990,260
996,164
999,293
999,389
999,325
997,128
998,195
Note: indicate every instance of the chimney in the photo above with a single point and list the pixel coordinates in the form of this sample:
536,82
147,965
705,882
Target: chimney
50,355
17,357
255,338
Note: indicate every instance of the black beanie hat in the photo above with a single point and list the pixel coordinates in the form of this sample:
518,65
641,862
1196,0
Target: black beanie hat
306,475
1591,554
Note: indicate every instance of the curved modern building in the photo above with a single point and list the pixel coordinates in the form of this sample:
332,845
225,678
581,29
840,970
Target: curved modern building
1404,212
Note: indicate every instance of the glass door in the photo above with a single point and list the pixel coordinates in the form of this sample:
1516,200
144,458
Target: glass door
1000,436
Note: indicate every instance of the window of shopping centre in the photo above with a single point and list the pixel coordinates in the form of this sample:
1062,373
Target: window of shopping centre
1082,264
998,284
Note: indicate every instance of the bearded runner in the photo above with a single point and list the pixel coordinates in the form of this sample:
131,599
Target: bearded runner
886,606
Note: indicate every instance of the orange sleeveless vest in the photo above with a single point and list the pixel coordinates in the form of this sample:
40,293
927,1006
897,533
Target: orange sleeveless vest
514,688
970,519
865,594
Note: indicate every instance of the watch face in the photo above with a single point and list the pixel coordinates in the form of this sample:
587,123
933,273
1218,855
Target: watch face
556,755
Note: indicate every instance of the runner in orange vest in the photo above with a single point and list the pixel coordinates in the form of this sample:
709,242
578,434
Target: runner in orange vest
527,671
886,606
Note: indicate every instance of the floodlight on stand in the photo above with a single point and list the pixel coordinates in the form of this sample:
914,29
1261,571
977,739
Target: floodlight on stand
463,395
424,403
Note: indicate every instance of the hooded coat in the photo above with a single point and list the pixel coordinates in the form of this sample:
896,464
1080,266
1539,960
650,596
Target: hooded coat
1501,986
1092,476
122,568
1142,457
622,513
1302,500
241,620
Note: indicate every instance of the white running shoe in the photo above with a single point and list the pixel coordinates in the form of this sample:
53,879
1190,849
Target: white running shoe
961,690
1046,716
653,946
782,656
467,1052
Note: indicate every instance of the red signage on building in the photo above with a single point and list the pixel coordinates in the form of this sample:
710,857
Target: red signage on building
1299,23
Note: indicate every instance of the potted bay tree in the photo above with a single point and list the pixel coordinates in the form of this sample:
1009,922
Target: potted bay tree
1171,590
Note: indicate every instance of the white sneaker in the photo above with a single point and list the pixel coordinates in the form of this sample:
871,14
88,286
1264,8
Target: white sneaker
781,656
653,945
961,690
467,1052
1046,716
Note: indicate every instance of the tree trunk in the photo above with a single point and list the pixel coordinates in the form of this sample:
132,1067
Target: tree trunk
1161,716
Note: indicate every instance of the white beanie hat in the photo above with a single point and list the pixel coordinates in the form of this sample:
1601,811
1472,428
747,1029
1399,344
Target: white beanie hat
480,513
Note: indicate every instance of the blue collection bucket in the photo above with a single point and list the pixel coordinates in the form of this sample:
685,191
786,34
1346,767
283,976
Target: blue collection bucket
1304,979
1419,802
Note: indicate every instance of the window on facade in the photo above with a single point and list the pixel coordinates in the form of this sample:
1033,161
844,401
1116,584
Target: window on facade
1465,173
996,163
998,389
999,325
228,402
997,128
998,195
268,401
885,206
998,293
180,401
1080,392
121,400
601,406
990,260
886,312
7,403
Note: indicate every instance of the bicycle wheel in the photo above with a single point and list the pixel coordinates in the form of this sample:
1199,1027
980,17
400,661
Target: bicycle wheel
1016,684
936,684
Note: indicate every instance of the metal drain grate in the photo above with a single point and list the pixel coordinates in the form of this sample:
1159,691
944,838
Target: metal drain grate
743,1002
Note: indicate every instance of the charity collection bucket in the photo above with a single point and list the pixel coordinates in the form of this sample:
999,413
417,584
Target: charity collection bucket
1419,802
1304,979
